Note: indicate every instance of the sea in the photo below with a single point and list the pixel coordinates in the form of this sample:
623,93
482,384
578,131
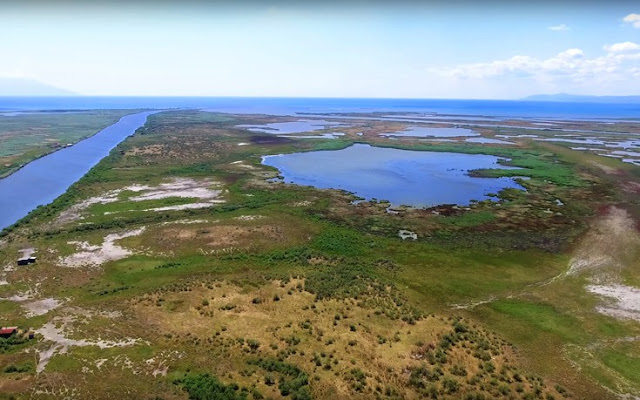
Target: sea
297,106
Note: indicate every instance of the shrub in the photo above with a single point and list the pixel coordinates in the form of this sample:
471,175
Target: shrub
207,387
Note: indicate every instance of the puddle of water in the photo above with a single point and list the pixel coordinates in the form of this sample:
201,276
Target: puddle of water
291,127
517,136
579,141
626,153
403,177
332,135
432,132
487,140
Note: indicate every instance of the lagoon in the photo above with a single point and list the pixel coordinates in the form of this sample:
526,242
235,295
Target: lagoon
433,132
403,177
292,127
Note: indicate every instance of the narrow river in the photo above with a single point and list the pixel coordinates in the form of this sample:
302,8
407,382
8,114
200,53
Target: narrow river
42,180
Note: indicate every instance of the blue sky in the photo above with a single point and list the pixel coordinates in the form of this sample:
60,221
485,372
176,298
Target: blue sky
366,49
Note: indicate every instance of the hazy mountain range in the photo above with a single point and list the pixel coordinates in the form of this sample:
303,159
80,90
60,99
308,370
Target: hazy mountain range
32,87
29,87
583,98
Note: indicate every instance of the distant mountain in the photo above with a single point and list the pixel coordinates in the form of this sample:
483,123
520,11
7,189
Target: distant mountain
583,98
29,87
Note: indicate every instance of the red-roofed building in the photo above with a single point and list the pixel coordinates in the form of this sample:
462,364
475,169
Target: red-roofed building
7,331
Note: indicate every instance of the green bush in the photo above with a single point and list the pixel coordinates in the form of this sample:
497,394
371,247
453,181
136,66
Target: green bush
207,387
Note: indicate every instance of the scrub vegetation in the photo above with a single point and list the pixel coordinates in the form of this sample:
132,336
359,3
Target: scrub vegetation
206,278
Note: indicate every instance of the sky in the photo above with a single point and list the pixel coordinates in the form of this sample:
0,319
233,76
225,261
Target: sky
403,49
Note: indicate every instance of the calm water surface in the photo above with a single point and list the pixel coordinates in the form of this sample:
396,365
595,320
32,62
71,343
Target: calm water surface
42,180
487,140
292,106
291,127
433,132
416,178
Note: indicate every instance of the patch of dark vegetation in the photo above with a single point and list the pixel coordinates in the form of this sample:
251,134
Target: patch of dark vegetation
105,292
293,382
341,242
207,387
269,140
12,343
436,375
169,265
20,368
553,242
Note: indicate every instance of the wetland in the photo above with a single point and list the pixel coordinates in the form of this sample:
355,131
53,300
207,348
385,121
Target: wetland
200,252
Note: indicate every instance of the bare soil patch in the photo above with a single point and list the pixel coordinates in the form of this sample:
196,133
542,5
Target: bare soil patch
98,255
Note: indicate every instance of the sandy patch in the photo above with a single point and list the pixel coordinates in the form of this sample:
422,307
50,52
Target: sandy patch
222,236
474,304
40,307
241,164
178,187
98,255
610,245
187,222
61,343
622,301
304,203
34,307
249,217
27,252
153,149
607,246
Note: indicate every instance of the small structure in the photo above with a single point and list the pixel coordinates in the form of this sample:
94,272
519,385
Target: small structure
8,331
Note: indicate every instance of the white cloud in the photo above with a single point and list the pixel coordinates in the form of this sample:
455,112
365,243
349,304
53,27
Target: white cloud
559,28
569,70
622,47
633,19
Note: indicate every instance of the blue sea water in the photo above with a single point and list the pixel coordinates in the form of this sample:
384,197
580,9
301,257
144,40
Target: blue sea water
289,106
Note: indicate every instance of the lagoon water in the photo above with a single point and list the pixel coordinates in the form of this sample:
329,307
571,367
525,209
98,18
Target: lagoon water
291,127
44,179
487,140
418,131
415,178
